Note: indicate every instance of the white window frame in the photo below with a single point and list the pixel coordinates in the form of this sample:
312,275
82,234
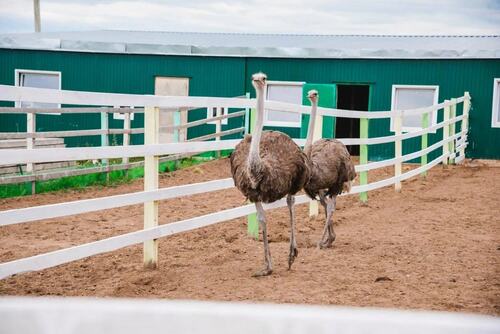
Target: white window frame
268,122
434,113
210,114
495,123
18,72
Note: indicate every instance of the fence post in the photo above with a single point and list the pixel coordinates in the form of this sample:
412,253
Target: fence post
317,135
465,124
398,149
363,157
105,137
252,224
151,136
446,133
183,119
126,137
176,133
247,116
453,114
176,120
30,144
425,142
218,127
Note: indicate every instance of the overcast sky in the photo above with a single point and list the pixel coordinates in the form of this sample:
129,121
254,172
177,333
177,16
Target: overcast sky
261,16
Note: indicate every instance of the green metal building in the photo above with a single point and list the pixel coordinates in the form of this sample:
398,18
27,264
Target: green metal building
351,72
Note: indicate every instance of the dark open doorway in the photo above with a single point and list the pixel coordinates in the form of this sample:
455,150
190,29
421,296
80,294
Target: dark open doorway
351,97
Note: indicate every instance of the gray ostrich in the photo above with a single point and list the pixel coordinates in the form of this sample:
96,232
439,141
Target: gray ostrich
332,172
266,167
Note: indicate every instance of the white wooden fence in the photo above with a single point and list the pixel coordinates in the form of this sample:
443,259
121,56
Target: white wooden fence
104,131
453,146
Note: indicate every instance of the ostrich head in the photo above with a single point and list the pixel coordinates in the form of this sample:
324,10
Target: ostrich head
259,80
313,95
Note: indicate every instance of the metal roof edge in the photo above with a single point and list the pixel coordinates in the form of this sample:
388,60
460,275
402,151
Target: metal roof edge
164,52
321,47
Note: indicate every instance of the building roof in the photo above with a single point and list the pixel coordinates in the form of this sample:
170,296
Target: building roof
259,45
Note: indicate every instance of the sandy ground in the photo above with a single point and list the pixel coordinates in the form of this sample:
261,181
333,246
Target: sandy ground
434,246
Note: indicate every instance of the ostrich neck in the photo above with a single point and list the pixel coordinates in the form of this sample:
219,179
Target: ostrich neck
254,154
310,130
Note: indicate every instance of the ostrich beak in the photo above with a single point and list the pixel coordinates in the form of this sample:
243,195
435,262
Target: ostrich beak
312,94
259,79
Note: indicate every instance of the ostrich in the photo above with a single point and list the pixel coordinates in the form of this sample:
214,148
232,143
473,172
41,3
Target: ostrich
266,167
332,172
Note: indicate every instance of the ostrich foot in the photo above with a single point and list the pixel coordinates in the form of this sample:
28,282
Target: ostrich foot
292,255
328,242
264,272
325,244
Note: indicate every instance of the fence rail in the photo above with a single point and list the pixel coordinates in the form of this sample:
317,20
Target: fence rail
453,146
56,174
42,95
97,132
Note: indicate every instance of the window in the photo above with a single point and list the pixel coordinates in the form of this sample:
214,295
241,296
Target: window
495,115
38,79
406,97
212,112
290,92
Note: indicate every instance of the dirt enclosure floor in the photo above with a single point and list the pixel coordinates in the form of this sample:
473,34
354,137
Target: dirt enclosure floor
435,245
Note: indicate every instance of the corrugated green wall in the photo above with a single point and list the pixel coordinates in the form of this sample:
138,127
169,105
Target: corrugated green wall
224,76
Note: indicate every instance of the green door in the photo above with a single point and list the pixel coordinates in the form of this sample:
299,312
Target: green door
327,99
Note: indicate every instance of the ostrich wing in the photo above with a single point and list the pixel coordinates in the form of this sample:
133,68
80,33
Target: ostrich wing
331,167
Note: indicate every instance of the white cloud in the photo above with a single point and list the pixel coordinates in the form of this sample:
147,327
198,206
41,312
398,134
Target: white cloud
272,16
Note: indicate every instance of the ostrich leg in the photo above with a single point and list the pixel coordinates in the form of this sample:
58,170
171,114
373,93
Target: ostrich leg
322,200
261,217
290,201
328,233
